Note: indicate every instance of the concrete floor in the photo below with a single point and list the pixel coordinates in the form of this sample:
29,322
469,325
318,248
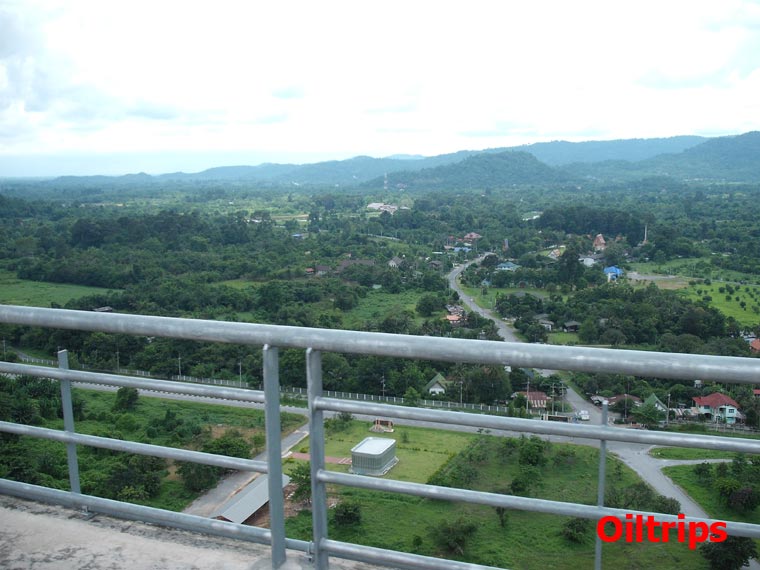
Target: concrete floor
45,537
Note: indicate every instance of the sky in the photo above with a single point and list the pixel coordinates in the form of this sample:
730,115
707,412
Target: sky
101,87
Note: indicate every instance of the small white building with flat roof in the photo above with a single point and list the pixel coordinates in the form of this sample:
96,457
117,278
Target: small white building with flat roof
373,456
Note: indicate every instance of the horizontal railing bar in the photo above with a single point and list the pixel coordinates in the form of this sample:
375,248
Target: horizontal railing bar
146,514
141,383
738,445
394,558
575,358
125,446
512,501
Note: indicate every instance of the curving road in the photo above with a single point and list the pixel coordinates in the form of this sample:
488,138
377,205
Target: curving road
505,331
635,456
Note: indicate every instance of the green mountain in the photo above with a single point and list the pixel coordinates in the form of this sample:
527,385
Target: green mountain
484,171
558,153
732,158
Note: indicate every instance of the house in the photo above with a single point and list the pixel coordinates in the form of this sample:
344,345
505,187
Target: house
620,397
571,326
454,320
472,236
321,270
754,346
544,321
599,243
656,402
555,254
587,260
718,407
536,400
437,385
435,264
507,266
395,262
613,272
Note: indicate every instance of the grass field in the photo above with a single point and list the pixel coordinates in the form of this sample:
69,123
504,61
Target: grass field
14,291
527,541
707,496
730,303
379,304
689,453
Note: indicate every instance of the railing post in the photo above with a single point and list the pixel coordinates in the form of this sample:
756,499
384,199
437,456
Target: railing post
317,453
274,454
68,423
600,488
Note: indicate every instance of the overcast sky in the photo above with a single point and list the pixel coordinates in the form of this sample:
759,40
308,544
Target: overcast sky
114,87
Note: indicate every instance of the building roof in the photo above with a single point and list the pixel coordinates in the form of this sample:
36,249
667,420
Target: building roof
619,397
715,400
655,401
755,345
536,398
249,500
613,269
373,445
437,379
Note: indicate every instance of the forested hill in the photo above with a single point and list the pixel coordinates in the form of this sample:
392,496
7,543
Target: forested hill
732,158
726,158
723,159
557,153
481,171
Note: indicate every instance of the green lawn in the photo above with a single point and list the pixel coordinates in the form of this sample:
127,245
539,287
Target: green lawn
379,304
527,541
730,304
14,291
689,453
707,496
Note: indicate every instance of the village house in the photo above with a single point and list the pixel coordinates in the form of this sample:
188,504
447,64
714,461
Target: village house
437,385
718,408
395,262
599,243
537,400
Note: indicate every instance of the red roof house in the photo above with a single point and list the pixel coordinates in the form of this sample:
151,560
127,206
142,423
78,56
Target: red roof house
718,407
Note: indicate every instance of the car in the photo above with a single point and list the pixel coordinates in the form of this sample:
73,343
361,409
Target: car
584,415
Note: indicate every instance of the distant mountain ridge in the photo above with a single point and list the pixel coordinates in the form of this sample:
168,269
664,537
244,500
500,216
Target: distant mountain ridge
733,158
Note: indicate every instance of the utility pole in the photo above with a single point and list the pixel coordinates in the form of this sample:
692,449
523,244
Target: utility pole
667,412
179,365
527,398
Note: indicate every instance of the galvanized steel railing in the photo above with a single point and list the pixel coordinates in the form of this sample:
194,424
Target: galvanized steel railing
315,341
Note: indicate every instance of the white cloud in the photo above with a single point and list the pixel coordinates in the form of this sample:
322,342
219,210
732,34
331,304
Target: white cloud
347,78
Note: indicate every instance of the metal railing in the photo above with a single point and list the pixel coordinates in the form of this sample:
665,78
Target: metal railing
315,341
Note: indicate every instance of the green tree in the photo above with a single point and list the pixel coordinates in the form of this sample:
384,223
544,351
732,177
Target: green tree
732,554
126,399
429,304
648,415
300,476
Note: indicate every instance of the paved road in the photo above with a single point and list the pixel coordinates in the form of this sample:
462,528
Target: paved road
505,331
635,456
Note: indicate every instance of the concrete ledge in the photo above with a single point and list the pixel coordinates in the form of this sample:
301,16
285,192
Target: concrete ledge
48,537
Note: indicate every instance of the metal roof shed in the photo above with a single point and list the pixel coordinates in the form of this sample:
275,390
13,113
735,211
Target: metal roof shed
373,456
248,500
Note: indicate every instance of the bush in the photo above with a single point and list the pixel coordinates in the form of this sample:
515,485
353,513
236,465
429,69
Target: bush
347,513
576,530
452,536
